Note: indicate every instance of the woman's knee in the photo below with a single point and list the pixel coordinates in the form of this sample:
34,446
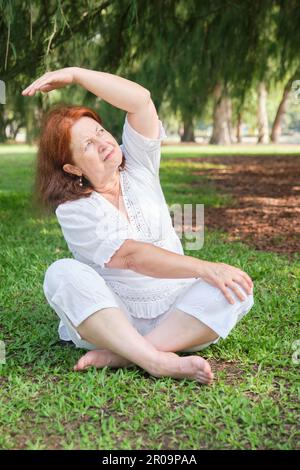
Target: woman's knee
62,269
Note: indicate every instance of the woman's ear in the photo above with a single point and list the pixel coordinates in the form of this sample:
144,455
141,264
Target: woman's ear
72,169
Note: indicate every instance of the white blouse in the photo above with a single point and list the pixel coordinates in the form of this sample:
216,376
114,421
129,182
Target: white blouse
94,228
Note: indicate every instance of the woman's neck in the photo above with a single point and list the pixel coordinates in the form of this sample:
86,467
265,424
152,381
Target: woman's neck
111,191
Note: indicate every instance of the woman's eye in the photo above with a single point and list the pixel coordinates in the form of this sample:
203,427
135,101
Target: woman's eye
89,142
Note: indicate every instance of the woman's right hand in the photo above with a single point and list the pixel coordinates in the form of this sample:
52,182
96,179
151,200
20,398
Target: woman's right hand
51,81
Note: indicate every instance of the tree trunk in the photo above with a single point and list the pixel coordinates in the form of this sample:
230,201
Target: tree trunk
16,130
3,136
221,117
188,130
229,116
239,128
276,128
29,126
262,115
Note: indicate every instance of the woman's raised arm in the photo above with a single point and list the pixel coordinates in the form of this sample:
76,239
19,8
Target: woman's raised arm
117,91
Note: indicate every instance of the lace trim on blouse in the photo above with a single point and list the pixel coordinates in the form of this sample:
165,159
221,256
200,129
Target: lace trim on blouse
146,294
149,302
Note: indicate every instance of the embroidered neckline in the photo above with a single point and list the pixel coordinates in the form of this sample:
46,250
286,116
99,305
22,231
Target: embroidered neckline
137,221
116,210
134,211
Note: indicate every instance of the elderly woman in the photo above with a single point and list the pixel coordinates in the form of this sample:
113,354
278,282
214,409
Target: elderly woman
130,296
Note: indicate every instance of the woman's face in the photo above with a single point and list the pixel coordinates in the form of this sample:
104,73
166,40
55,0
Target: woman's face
96,153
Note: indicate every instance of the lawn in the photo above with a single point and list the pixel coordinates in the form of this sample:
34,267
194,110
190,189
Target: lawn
254,401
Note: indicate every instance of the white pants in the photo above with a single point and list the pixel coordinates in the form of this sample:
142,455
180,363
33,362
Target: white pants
75,291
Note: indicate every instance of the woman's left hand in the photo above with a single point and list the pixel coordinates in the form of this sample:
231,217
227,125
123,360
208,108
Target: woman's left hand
225,276
51,81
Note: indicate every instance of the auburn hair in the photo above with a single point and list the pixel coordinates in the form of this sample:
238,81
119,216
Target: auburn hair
53,185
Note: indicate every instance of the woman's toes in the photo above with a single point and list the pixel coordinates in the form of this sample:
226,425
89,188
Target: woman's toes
89,359
207,369
206,379
80,364
100,358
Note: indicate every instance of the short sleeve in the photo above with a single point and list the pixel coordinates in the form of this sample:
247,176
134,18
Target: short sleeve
91,232
140,151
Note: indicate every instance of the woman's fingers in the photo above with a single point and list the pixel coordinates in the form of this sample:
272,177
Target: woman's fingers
228,278
226,293
241,294
45,79
35,87
240,272
233,286
243,282
235,289
30,87
41,85
29,90
247,278
46,88
50,81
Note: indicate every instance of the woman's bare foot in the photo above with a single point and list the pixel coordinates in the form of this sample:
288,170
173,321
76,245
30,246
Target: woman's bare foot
100,358
191,367
168,364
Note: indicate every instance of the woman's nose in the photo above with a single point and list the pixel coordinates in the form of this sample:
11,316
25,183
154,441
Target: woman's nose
100,143
103,147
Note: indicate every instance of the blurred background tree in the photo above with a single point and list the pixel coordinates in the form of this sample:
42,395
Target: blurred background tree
215,63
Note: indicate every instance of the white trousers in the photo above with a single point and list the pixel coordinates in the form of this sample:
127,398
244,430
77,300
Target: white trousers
75,291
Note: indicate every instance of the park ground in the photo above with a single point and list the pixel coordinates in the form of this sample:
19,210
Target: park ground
251,204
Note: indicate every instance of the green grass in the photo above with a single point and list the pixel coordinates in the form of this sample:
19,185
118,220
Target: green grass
235,149
253,404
